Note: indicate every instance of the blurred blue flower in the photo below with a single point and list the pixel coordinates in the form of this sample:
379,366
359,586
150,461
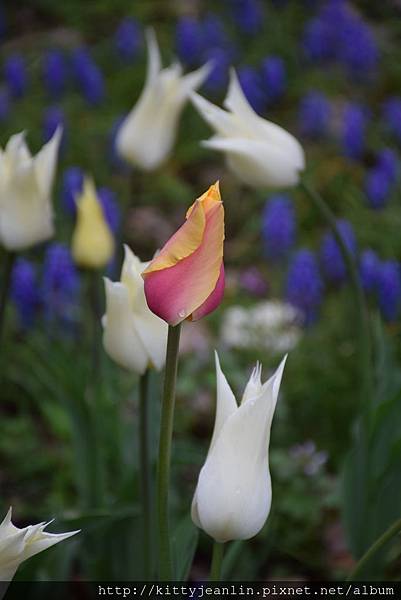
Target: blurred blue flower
278,226
314,114
354,131
248,15
377,187
60,285
358,49
304,285
274,78
53,118
54,73
387,160
389,289
331,258
252,281
217,79
189,41
392,115
369,265
127,39
5,104
15,74
251,83
71,186
88,76
110,207
214,33
24,291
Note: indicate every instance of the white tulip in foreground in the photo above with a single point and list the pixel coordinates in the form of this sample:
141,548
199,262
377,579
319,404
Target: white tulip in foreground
147,135
26,214
258,152
133,337
16,545
233,496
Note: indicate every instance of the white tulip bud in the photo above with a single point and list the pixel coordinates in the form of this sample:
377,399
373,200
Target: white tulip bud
148,133
133,337
258,152
26,215
233,496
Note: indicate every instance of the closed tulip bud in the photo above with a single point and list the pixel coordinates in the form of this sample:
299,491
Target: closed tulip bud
16,545
186,279
92,241
133,336
258,152
26,215
147,135
233,496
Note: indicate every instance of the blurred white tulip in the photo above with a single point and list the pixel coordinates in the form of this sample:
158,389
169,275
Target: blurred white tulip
233,496
133,337
16,545
258,152
147,135
26,215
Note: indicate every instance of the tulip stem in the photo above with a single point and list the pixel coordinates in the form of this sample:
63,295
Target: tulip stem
5,290
375,547
361,305
217,562
145,471
165,443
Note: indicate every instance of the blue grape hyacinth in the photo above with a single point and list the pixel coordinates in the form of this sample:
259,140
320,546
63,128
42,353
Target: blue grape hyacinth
314,114
54,73
88,77
24,292
252,86
16,76
278,226
369,267
392,116
248,15
377,188
354,131
110,206
389,290
71,187
127,39
304,285
274,78
189,41
60,285
53,118
331,258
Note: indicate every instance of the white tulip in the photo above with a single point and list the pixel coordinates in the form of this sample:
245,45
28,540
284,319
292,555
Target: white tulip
16,545
258,152
26,215
147,135
133,337
233,496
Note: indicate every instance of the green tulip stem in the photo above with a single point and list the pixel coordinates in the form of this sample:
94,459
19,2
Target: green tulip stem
388,535
165,443
5,290
145,472
360,300
217,562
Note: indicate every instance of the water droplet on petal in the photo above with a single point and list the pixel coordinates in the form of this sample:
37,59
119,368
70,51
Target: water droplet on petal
181,313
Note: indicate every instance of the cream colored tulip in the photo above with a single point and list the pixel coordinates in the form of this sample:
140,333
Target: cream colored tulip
26,214
148,133
233,496
16,545
92,241
133,337
258,152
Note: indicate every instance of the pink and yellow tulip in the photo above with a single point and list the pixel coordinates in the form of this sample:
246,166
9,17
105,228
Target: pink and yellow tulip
186,279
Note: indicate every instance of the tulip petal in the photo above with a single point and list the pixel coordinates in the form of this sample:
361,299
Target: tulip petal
182,244
154,60
45,162
175,293
120,337
226,124
213,301
254,385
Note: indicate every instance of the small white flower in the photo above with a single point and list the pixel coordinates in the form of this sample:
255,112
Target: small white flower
233,496
258,152
148,133
16,545
26,214
133,337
